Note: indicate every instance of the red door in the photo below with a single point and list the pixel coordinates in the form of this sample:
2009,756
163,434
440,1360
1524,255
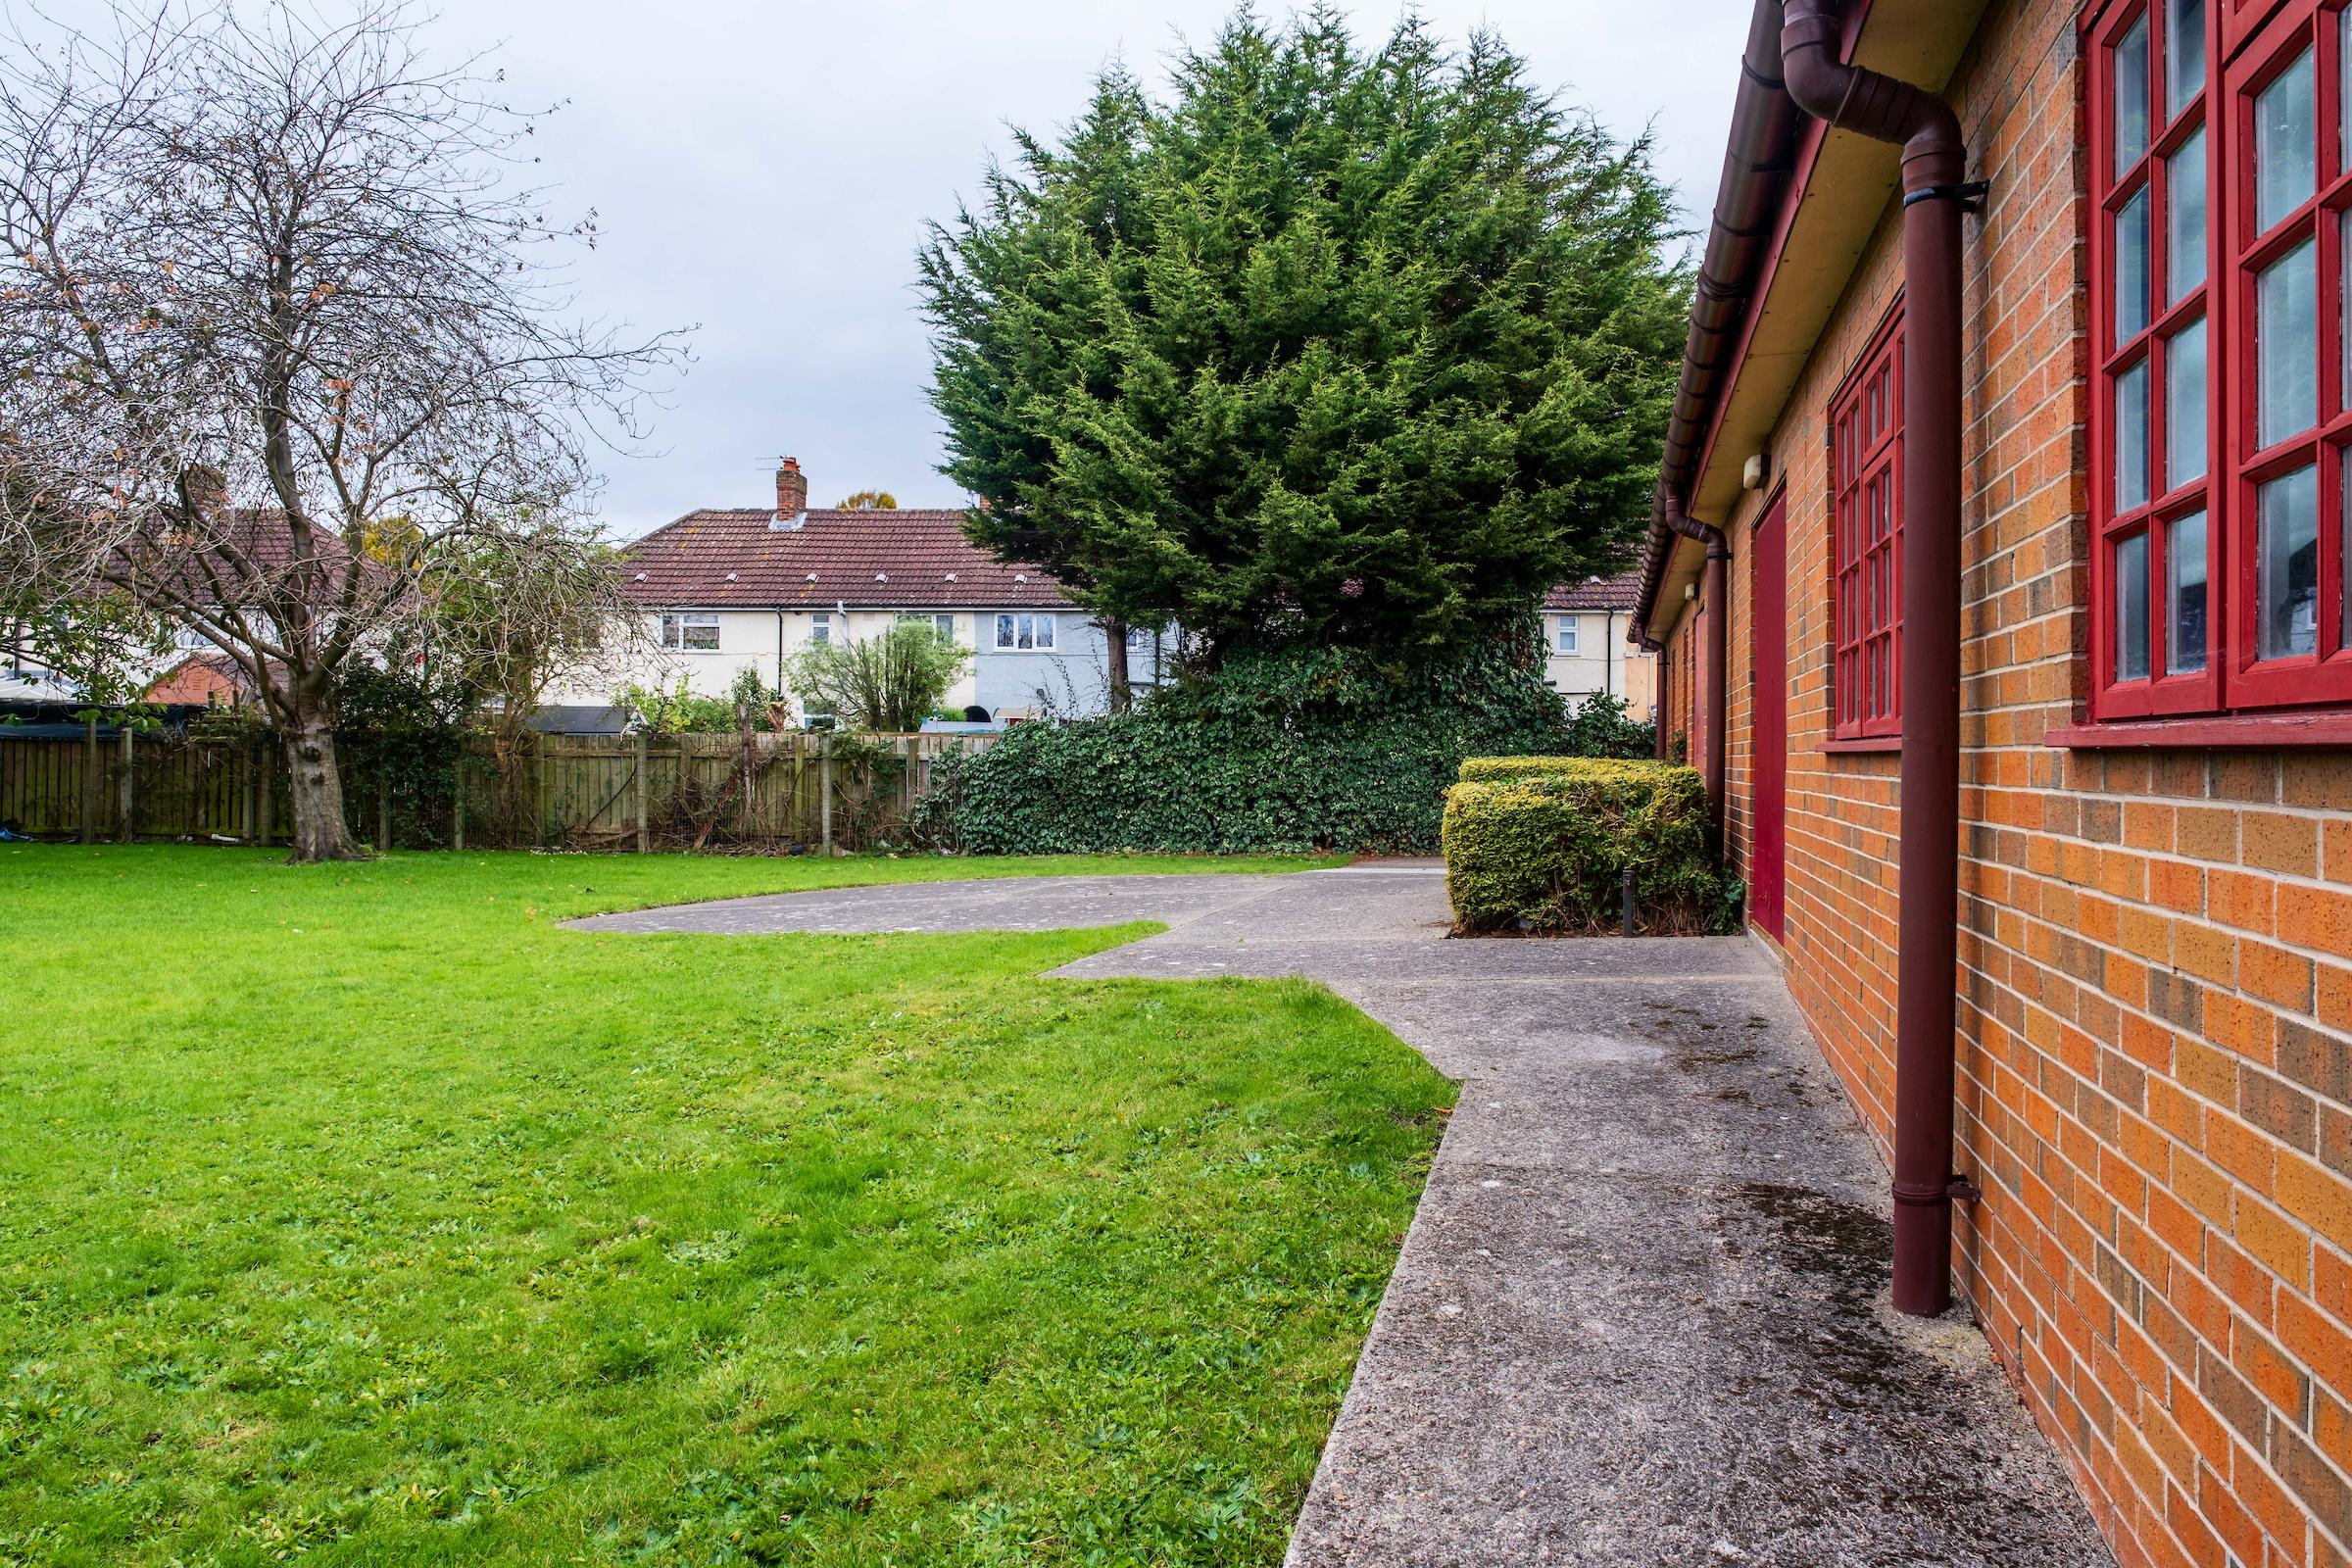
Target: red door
1767,871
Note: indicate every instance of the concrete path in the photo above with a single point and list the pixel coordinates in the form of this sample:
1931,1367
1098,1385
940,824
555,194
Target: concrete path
1639,1317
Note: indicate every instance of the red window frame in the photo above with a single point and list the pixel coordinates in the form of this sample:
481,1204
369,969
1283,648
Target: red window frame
1866,539
2247,45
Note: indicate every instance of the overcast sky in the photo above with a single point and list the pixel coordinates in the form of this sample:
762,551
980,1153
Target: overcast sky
763,170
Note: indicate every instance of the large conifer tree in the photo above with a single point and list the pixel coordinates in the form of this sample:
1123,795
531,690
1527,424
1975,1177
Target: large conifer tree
1367,349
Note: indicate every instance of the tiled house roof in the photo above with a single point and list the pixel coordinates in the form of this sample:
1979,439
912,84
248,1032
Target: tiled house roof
726,559
737,558
1619,593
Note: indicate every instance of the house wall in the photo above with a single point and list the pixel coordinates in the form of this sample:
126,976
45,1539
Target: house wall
1074,678
1603,661
1075,673
2155,1033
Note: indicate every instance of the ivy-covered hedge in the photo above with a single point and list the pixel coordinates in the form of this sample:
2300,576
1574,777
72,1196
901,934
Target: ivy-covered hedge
1300,749
1540,845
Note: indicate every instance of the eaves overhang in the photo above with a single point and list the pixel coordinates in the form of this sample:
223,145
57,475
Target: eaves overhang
1838,192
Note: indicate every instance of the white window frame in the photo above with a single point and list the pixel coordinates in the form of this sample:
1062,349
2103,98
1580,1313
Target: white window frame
820,626
944,625
676,623
1023,631
1567,636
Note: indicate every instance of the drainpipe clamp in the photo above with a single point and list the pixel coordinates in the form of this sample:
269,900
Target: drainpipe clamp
1955,1189
1970,194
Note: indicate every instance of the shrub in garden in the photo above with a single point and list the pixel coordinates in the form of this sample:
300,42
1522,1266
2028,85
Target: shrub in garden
1541,844
889,683
1600,726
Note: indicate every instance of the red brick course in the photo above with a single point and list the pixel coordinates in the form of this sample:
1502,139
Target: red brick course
2155,949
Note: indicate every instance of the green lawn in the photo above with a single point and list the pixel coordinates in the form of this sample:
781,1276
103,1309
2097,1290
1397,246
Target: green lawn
359,1215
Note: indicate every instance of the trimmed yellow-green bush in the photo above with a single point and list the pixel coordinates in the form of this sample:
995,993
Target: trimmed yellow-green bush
1505,770
1545,850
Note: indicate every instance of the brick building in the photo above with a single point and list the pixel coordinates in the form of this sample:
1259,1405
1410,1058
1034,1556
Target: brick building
2111,486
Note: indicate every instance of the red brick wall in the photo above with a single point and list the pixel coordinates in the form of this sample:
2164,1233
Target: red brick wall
2156,950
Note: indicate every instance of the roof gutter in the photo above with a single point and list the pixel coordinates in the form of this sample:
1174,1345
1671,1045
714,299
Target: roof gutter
1765,124
1936,195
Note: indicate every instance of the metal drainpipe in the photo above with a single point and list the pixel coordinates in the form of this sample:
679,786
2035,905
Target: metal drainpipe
1659,692
1934,196
1716,612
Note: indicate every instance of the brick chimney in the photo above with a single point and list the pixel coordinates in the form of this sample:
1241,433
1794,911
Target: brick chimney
792,490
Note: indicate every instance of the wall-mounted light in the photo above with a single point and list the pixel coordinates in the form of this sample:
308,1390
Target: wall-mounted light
1757,472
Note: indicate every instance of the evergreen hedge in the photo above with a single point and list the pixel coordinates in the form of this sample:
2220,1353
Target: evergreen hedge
1540,845
1283,749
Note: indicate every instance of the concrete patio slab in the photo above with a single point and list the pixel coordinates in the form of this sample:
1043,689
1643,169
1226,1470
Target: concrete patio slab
1020,904
1640,1315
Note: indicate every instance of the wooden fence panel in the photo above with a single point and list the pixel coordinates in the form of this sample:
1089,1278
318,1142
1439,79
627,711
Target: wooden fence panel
573,790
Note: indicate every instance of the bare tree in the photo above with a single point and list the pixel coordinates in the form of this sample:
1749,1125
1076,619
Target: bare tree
283,334
512,612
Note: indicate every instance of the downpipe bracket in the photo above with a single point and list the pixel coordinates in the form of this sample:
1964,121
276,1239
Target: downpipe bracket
1956,1189
1970,194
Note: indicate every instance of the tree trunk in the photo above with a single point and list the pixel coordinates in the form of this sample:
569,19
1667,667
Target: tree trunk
316,792
1122,693
505,748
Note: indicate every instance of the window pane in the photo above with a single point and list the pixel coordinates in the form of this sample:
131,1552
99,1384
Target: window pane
2287,344
2184,434
2289,607
2132,608
2286,144
1003,631
2131,267
2185,50
2185,595
2131,96
2184,219
2132,438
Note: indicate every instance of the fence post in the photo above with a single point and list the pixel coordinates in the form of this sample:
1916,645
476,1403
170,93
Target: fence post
644,837
266,818
384,811
89,778
457,804
824,788
129,768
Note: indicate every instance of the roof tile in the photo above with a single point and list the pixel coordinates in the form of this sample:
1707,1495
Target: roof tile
722,559
1619,593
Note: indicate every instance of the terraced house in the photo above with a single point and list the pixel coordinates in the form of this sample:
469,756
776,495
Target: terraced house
2002,576
726,589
